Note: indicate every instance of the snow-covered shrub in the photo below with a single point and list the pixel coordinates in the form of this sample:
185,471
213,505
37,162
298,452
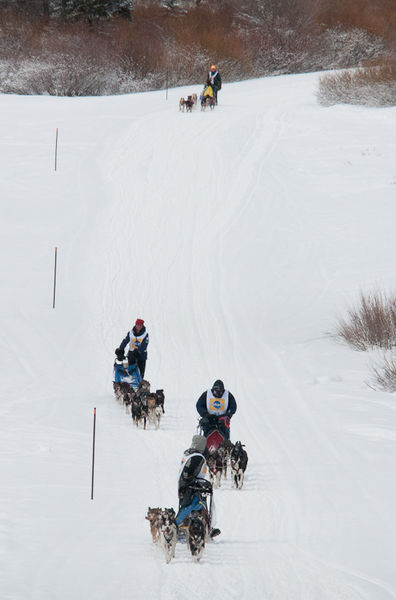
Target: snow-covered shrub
371,324
370,86
61,77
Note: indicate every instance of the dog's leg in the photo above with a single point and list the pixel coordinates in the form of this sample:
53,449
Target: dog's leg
174,541
154,533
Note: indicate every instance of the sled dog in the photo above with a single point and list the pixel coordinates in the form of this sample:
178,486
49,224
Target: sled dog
239,461
154,517
168,533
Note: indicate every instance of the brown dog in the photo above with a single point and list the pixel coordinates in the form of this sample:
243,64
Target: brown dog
154,517
154,411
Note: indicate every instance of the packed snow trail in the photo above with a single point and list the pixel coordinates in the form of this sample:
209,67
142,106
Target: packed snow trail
238,236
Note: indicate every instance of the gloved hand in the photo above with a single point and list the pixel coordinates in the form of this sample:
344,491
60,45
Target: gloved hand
119,353
229,414
203,421
204,484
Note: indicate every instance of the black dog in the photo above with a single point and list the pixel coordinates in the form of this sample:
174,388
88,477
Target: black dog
196,535
138,412
239,461
160,399
189,103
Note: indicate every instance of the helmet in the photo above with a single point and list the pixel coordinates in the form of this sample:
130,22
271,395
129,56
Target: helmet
218,388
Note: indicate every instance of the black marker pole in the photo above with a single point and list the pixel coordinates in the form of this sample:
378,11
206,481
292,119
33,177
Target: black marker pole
93,454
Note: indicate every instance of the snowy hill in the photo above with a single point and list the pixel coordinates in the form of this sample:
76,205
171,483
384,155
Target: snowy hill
239,235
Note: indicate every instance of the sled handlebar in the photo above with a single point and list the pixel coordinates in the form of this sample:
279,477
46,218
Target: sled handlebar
201,489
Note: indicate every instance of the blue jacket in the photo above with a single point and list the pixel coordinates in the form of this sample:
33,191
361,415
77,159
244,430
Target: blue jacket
142,348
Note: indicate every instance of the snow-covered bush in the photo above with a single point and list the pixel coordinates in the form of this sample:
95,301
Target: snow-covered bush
370,86
60,77
371,324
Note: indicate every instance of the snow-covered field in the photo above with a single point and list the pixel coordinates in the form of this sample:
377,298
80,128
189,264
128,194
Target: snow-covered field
239,235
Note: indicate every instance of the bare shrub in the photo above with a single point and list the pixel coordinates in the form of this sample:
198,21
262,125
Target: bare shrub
384,375
160,46
371,324
369,86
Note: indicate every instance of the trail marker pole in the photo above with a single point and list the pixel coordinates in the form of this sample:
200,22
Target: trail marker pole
167,79
93,454
55,263
56,148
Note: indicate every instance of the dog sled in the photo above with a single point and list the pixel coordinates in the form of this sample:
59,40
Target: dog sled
125,373
208,98
126,377
134,393
194,521
191,526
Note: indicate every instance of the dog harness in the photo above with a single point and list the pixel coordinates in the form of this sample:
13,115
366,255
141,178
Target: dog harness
216,406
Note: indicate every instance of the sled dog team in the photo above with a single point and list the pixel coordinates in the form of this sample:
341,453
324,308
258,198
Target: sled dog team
208,97
210,453
189,104
144,406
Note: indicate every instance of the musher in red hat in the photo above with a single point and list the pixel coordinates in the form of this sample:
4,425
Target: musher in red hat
138,340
